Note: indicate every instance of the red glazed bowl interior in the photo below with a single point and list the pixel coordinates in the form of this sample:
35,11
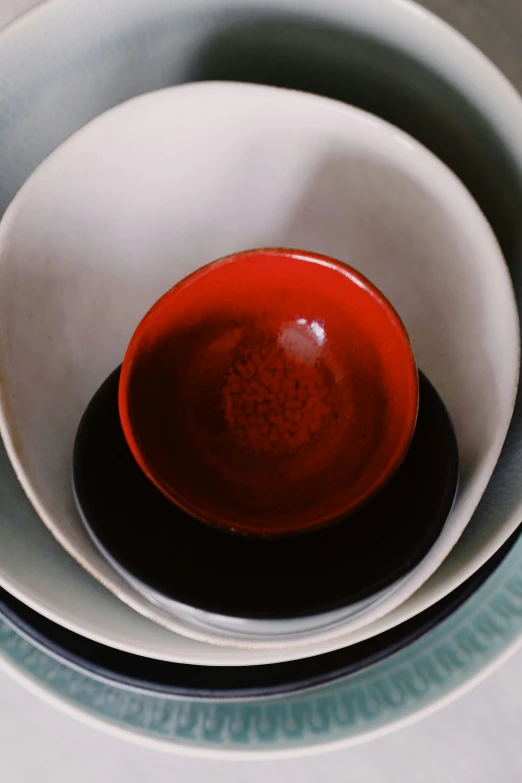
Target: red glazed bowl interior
270,392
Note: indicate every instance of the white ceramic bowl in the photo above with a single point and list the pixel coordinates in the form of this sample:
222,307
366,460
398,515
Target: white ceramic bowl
152,190
412,70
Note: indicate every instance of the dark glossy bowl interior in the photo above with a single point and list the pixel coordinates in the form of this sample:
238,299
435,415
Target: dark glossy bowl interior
201,566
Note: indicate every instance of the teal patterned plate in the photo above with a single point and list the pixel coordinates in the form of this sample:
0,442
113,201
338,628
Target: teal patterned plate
429,673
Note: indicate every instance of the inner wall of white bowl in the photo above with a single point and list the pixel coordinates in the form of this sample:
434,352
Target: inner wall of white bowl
145,199
460,109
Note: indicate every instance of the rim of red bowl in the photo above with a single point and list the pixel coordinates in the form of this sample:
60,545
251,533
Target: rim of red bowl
185,504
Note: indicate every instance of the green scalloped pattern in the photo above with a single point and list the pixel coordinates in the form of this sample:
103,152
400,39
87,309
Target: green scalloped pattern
487,626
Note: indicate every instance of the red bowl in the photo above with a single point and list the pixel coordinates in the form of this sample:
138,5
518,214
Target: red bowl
270,392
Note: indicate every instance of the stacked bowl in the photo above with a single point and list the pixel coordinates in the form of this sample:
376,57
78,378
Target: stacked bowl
263,501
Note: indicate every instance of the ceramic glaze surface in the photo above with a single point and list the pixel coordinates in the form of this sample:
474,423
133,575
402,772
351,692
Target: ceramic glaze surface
412,70
270,392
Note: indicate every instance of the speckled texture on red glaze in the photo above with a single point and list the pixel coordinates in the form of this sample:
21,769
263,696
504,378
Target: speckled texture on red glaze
270,392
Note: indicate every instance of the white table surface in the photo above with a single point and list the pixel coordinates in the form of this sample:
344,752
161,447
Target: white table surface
477,739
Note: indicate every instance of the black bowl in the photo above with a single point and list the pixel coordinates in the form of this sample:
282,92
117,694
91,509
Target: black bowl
183,559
